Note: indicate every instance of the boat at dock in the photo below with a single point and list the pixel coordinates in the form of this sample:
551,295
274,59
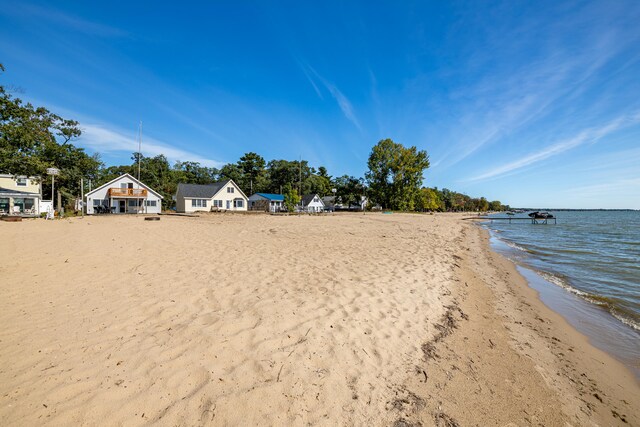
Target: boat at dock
540,215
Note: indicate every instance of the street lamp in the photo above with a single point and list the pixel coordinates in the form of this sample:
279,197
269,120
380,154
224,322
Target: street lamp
53,172
333,190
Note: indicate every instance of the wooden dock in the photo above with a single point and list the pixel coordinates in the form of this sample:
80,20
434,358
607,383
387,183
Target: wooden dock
506,218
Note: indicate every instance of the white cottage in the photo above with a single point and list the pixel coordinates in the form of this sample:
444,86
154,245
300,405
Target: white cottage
125,194
312,203
223,195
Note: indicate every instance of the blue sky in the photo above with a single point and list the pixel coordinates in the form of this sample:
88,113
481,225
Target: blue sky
532,103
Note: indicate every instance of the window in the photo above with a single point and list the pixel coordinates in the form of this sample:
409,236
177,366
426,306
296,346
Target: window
4,204
133,203
18,201
217,203
21,182
198,203
238,203
151,203
230,189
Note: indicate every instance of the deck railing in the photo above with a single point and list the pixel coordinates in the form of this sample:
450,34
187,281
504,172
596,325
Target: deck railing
127,192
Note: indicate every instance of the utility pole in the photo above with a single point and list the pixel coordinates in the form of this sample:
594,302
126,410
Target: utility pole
300,179
82,196
139,155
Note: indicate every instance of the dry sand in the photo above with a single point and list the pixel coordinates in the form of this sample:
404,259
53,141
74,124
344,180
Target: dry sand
262,320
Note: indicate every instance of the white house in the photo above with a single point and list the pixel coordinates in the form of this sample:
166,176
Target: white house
266,201
223,195
312,203
359,205
20,195
125,194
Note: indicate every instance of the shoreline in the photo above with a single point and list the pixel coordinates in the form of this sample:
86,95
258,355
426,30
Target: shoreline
400,320
603,329
507,338
584,374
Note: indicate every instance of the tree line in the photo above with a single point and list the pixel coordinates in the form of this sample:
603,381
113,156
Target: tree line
33,139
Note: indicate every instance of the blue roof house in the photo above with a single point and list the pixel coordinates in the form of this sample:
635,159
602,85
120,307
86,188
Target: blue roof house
266,202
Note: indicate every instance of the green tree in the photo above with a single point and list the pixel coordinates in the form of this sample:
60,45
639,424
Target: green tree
322,171
495,206
253,168
429,199
349,189
395,174
316,184
291,198
483,204
231,171
194,173
280,173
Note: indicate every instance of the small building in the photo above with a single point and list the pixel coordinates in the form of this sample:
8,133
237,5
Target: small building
266,202
20,195
223,195
123,195
311,203
330,203
359,205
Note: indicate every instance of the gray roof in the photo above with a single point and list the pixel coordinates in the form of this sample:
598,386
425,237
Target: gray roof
201,191
307,198
8,192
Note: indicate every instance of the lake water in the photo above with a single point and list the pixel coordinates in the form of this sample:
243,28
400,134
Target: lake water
587,267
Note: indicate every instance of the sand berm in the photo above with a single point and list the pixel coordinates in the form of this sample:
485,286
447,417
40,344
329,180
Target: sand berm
336,320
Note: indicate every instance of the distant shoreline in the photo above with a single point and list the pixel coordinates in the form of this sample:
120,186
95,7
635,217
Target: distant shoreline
576,210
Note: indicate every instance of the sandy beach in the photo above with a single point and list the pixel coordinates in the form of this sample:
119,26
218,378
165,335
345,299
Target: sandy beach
344,319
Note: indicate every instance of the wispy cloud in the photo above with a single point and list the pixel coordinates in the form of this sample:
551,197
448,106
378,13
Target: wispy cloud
506,101
107,140
306,70
590,135
343,102
607,187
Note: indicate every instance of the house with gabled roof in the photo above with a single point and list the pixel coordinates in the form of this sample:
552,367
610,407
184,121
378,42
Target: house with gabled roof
124,195
223,195
311,203
267,202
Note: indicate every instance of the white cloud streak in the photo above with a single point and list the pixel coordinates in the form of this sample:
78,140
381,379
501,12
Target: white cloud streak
591,135
106,140
508,103
343,102
607,187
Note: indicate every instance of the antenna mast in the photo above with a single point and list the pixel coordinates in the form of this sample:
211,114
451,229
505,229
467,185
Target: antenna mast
139,147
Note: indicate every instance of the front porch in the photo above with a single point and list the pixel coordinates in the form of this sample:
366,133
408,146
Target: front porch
122,206
19,203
